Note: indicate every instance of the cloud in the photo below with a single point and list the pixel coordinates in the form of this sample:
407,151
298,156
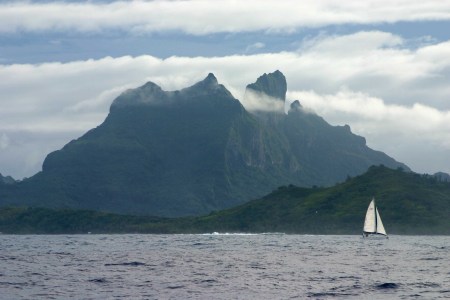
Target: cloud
201,17
4,141
257,101
409,133
358,43
372,115
26,150
377,63
254,47
383,90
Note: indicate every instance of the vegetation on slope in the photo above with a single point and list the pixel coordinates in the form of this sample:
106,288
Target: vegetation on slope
409,204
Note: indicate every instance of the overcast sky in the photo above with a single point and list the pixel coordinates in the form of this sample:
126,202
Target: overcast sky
383,67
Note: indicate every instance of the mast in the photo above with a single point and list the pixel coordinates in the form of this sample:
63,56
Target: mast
375,215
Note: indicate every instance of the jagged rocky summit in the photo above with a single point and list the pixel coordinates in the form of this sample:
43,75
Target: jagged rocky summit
192,151
273,85
152,94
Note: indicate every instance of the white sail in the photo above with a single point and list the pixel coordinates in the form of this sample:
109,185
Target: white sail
380,227
373,223
370,221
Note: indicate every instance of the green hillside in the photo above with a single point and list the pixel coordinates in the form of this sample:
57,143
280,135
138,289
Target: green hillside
26,220
408,203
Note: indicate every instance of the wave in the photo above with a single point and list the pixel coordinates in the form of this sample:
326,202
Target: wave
242,233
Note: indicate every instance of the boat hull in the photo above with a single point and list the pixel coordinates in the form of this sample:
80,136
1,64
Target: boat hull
374,236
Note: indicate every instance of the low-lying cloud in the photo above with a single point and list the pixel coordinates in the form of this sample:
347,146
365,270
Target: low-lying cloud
258,101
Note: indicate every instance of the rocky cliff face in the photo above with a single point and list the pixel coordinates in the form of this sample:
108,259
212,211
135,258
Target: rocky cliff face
192,151
320,153
273,85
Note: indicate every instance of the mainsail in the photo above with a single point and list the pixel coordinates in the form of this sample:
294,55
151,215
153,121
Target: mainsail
373,223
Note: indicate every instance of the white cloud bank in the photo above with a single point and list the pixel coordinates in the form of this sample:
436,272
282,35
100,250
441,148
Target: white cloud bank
418,135
201,17
396,97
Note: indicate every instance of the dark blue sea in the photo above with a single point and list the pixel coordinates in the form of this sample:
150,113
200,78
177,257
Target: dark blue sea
228,266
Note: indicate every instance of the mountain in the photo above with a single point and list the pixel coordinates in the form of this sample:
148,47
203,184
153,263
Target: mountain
161,153
321,154
409,204
192,151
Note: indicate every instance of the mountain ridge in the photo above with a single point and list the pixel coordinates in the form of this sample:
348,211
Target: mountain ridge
192,151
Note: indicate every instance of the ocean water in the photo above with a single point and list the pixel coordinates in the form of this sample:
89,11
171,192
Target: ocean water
229,266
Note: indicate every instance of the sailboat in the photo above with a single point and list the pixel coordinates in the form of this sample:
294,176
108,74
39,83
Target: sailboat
373,224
